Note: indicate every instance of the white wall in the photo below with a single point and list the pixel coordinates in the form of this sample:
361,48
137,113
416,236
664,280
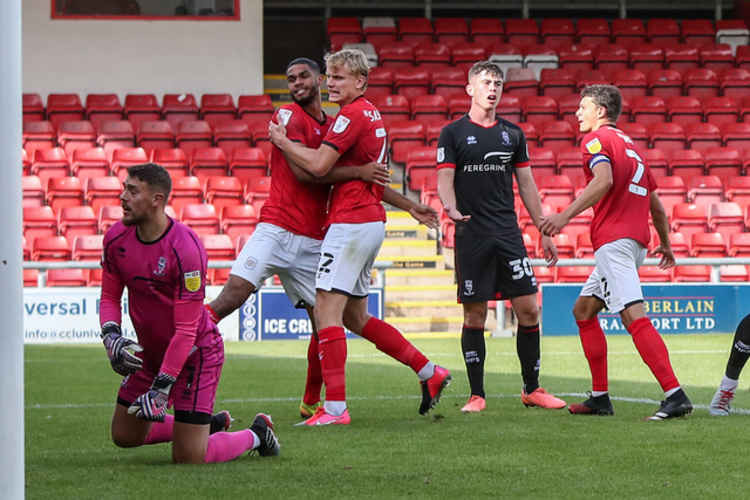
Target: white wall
90,56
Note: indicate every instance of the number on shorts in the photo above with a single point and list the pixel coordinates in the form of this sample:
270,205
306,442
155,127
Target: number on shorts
520,268
325,261
635,186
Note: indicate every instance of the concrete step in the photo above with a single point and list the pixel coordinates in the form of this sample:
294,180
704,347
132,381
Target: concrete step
417,292
407,247
413,262
418,277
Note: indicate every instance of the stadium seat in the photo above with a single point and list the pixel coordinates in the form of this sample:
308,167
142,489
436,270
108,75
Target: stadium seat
30,277
64,108
702,136
717,58
124,158
173,159
392,108
50,248
448,81
681,57
574,274
487,30
648,110
432,55
88,247
628,32
663,31
656,161
684,110
692,274
426,108
739,245
451,30
232,134
379,82
570,164
666,136
580,224
557,29
417,29
194,134
223,191
111,135
102,108
736,273
530,245
218,246
207,162
155,135
680,244
686,163
102,191
745,110
521,31
557,135
448,232
404,136
33,191
411,82
66,277
726,218
432,133
520,82
509,107
201,218
185,191
505,55
664,83
77,220
593,30
76,135
420,163
64,192
543,163
734,82
708,245
556,190
697,32
108,216
261,139
584,247
33,108
671,191
254,107
701,82
738,190
721,110
238,219
463,56
539,110
704,189
241,240
645,57
246,163
688,219
217,108
736,135
567,106
526,223
724,162
38,222
557,82
576,60
257,191
178,108
631,82
530,133
396,55
141,107
38,135
652,274
733,32
343,26
611,58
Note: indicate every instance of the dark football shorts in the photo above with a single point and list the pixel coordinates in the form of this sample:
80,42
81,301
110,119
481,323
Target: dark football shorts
492,267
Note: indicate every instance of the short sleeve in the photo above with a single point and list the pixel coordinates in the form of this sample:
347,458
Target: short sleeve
594,151
292,121
191,267
521,156
446,151
345,131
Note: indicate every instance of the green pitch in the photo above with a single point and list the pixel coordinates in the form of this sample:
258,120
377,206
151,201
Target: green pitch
389,451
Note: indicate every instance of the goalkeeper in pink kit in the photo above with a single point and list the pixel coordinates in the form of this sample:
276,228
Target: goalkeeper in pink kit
179,355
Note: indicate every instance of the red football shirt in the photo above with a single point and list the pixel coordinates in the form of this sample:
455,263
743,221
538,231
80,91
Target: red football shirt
623,211
359,135
297,206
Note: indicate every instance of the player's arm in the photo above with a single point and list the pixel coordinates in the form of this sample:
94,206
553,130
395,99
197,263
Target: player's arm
661,223
422,213
446,174
376,173
315,161
529,194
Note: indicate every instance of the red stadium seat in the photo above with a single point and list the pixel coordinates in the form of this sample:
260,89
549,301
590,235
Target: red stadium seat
77,220
704,189
102,191
708,245
257,191
692,274
701,82
223,191
343,26
64,108
432,132
432,55
463,56
733,273
178,108
240,241
108,216
557,82
543,163
570,164
530,245
702,136
529,131
33,191
686,163
645,57
33,108
238,219
396,55
726,218
185,191
666,136
649,109
684,110
717,58
88,247
141,107
404,136
103,107
218,246
557,135
194,134
124,158
593,30
628,32
539,110
656,161
521,31
568,105
487,30
30,277
574,274
688,218
557,29
247,163
451,30
631,82
745,110
681,57
38,135
556,190
115,134
426,108
448,231
724,162
418,29
254,107
64,192
611,57
420,164
584,247
721,110
39,222
392,108
51,248
734,82
739,245
67,277
217,108
698,32
679,244
173,159
379,82
742,57
201,218
580,224
509,107
448,81
411,82
663,32
76,135
521,82
664,83
736,135
652,274
576,60
671,191
738,190
155,135
207,162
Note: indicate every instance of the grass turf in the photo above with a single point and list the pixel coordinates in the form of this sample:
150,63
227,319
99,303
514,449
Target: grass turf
389,451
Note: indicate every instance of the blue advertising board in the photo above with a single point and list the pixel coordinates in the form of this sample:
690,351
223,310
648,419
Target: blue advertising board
672,308
268,315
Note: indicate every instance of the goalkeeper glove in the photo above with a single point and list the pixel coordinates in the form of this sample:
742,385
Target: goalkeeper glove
152,405
121,351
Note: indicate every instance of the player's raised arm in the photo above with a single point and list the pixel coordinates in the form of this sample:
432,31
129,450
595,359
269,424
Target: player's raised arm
315,161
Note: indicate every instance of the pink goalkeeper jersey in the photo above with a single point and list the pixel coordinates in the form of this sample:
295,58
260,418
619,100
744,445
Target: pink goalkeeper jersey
166,282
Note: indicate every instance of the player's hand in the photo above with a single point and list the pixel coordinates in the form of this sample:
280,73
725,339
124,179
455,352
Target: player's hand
550,251
377,173
553,224
152,405
277,133
426,215
667,256
455,215
121,351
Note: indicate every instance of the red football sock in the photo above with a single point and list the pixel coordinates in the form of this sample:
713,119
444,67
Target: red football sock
653,352
390,341
160,432
332,349
594,345
226,446
314,381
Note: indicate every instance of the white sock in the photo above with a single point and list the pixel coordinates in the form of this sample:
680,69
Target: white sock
427,371
335,408
672,391
596,394
728,384
256,439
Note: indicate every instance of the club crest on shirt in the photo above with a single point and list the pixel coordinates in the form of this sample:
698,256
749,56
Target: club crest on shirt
250,263
471,140
193,281
594,146
161,266
341,123
468,287
284,116
440,154
506,138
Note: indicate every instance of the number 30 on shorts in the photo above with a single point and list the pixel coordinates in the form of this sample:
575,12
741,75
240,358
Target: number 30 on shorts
520,268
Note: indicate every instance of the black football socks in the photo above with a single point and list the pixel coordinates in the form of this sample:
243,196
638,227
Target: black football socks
527,346
474,350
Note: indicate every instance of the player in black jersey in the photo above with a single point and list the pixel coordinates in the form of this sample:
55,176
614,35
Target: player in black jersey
477,157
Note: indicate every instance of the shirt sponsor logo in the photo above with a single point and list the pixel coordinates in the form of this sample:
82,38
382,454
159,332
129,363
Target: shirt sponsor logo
284,116
504,155
341,123
193,281
440,155
160,266
594,146
471,140
506,138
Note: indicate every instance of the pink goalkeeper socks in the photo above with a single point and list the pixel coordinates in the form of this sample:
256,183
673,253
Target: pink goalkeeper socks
160,432
226,446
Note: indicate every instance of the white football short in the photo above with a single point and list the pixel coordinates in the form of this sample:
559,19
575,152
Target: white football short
615,278
274,250
347,255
